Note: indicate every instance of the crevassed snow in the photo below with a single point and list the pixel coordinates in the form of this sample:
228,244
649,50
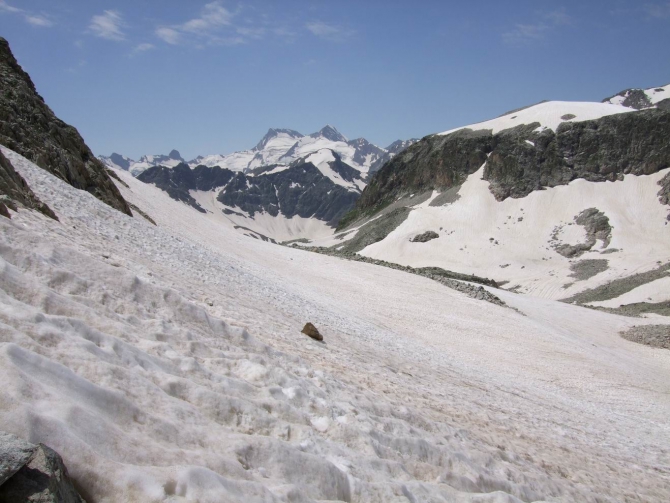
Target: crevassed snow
548,114
166,364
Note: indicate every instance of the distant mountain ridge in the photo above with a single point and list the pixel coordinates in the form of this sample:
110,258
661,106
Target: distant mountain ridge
278,146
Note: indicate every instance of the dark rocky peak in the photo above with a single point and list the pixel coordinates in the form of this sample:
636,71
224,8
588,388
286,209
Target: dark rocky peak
120,161
329,133
174,154
273,133
399,145
29,127
160,158
634,98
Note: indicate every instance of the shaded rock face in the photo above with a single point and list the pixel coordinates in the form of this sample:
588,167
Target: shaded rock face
391,151
597,150
635,98
299,190
179,180
33,473
664,193
17,192
29,127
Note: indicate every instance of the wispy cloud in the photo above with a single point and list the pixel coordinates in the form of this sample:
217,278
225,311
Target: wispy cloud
34,19
524,33
212,26
108,25
328,31
658,11
140,48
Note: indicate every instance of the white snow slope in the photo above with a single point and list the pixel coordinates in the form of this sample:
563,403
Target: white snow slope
548,114
166,364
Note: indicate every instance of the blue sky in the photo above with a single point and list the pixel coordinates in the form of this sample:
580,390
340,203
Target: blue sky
208,77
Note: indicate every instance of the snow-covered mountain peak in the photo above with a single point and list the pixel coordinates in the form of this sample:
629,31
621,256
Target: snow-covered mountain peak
274,133
329,133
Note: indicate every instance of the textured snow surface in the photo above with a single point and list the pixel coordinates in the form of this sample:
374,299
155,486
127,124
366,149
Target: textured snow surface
166,364
548,115
511,240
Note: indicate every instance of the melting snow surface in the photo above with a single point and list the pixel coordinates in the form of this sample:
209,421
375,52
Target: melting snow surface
166,364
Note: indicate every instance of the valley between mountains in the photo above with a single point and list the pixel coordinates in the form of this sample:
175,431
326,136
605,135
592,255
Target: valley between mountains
493,301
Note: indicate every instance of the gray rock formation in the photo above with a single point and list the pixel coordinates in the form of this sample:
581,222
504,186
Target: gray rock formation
29,127
425,237
597,227
311,331
33,473
596,150
16,192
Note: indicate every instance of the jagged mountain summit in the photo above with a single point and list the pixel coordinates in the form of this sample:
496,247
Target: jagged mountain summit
119,161
278,146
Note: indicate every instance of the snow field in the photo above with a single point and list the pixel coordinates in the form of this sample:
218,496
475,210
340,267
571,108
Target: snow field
165,364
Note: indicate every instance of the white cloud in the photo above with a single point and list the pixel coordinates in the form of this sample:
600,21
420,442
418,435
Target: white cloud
40,20
524,33
108,25
169,35
214,18
328,31
142,48
658,11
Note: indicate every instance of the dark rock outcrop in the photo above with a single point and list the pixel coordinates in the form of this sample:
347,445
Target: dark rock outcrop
179,180
391,151
634,98
29,127
425,237
311,331
299,190
34,473
596,150
15,191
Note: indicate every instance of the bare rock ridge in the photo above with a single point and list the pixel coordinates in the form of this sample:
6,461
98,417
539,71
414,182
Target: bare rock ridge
523,159
33,473
29,127
15,191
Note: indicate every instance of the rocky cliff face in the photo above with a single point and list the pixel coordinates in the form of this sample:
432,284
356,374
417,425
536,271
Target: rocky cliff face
29,127
299,190
523,159
15,191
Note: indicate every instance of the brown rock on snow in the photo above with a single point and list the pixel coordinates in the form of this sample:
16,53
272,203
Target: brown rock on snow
312,332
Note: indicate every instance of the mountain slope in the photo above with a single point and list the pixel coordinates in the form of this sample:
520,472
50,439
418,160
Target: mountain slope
28,126
640,99
168,364
555,199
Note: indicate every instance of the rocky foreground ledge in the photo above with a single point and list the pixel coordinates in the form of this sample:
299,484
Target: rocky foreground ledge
34,473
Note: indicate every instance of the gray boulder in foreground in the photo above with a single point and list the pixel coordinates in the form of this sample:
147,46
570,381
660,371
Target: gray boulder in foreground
33,473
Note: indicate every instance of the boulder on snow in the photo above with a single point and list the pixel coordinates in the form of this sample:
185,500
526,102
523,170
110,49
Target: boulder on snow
311,331
33,473
426,236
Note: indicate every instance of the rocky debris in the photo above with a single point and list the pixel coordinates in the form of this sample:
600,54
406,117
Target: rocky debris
311,331
597,227
595,150
424,237
568,117
33,473
450,279
618,287
585,269
30,128
144,215
15,191
656,336
664,193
